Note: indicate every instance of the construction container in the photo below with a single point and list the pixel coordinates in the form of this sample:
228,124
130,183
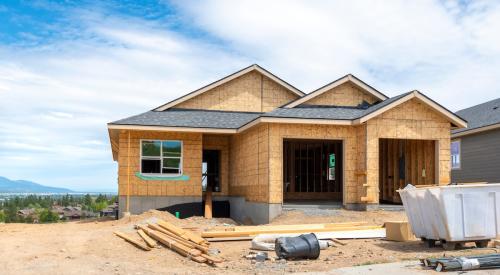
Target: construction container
453,213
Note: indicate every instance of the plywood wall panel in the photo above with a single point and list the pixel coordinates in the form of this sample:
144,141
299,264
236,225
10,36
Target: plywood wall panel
251,92
346,94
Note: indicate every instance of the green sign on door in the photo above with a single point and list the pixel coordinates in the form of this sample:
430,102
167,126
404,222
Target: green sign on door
331,163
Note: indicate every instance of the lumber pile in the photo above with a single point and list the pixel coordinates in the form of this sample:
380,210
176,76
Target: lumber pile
485,261
184,242
248,232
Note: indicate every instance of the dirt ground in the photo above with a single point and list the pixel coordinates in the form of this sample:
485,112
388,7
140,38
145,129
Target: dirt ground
89,247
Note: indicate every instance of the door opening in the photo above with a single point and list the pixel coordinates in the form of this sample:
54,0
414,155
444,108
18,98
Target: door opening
403,162
211,171
312,170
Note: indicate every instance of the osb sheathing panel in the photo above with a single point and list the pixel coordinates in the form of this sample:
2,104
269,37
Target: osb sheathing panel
251,92
279,132
191,164
220,142
346,94
410,120
249,164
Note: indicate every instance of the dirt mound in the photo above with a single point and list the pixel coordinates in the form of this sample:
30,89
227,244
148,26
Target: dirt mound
194,223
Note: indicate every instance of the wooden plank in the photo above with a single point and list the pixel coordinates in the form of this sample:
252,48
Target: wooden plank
174,245
185,234
151,243
295,226
179,239
208,204
217,234
133,241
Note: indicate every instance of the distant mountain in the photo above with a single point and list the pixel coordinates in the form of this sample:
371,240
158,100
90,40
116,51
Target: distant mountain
23,186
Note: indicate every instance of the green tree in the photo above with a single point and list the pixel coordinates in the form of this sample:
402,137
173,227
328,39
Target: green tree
87,200
47,215
2,216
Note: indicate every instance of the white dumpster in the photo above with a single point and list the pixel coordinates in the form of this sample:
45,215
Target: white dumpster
454,213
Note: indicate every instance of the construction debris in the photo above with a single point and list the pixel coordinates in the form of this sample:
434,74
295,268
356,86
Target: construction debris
250,231
132,240
305,246
485,261
267,242
184,242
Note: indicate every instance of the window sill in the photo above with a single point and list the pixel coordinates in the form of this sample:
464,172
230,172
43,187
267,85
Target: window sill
161,177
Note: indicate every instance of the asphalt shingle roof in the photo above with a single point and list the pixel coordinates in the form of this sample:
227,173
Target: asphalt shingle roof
234,120
190,118
480,115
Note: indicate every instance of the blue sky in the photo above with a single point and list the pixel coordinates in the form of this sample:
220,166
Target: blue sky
69,67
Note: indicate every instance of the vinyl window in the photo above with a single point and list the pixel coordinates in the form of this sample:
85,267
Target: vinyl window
161,157
455,154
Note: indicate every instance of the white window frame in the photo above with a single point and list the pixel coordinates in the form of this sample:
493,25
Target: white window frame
161,174
459,155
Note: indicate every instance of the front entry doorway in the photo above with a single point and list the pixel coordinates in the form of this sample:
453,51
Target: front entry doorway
312,170
211,170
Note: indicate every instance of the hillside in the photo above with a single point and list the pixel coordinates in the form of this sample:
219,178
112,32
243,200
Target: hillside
23,186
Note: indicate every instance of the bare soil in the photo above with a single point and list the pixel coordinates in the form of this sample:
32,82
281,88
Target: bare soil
89,247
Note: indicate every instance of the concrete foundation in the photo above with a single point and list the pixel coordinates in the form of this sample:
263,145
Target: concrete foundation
361,206
253,212
141,204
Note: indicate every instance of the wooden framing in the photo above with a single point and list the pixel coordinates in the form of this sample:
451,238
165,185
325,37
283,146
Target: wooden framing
305,169
418,160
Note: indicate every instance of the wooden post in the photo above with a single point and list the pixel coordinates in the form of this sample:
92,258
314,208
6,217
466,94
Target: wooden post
208,204
128,174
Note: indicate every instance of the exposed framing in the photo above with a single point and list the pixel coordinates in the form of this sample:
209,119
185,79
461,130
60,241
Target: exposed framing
348,78
228,78
181,163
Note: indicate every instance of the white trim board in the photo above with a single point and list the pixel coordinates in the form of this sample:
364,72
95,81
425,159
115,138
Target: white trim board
336,83
226,79
476,130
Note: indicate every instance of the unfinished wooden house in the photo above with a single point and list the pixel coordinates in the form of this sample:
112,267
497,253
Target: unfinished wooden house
257,142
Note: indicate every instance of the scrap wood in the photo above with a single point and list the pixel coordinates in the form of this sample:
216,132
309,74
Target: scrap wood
193,253
214,234
175,237
338,241
132,240
295,226
185,234
146,238
230,239
176,246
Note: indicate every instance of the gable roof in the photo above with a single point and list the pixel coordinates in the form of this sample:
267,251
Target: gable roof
228,78
482,117
213,121
348,78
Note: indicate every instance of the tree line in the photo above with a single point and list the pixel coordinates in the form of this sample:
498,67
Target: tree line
43,206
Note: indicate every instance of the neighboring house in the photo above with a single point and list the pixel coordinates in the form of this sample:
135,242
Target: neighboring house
258,142
476,149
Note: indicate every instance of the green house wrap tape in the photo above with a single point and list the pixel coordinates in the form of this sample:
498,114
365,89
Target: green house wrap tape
144,177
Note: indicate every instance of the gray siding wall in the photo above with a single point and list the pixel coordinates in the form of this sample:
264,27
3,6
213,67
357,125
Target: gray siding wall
480,157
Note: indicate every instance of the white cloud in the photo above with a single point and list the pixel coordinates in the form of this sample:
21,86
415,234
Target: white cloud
442,48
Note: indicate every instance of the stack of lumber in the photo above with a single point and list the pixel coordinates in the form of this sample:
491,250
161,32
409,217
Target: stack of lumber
248,232
485,261
185,242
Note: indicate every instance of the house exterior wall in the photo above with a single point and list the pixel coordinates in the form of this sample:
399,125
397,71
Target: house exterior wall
191,164
249,164
410,120
251,92
479,157
220,142
346,94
